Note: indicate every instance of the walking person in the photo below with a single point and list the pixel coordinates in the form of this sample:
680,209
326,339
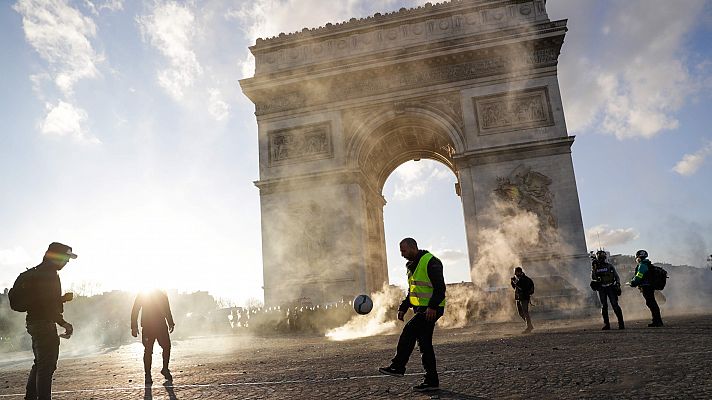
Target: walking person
606,281
641,280
157,325
39,289
523,290
426,295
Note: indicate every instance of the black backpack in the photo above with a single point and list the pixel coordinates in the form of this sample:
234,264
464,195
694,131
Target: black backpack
20,295
658,277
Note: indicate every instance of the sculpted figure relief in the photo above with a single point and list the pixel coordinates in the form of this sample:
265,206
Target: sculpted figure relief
503,113
302,143
529,190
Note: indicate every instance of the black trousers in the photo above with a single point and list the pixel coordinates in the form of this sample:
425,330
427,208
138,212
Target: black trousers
419,330
149,336
45,347
609,293
523,310
649,296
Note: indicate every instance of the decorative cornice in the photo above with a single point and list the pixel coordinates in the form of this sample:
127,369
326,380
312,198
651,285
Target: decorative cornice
515,151
376,19
396,30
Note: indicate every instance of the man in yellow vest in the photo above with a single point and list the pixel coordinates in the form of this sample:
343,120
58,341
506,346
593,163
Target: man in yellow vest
426,294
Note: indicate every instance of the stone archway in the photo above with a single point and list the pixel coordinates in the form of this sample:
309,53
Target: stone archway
469,83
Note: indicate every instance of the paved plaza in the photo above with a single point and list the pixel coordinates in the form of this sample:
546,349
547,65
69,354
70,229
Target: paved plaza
563,359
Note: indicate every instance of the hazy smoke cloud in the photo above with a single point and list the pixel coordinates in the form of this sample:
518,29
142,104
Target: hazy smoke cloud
380,320
690,163
14,256
267,18
603,236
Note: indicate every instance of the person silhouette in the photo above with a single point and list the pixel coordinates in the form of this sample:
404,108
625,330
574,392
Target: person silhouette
157,325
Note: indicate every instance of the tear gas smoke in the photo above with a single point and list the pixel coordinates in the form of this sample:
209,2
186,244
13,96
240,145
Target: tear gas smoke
379,321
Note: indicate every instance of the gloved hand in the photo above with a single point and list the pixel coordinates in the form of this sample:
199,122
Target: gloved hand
68,330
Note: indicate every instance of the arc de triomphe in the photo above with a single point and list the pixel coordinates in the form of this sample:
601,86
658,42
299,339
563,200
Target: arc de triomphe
469,83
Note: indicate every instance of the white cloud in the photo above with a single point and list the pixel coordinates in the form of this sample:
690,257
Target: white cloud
218,108
109,5
603,236
635,84
451,256
171,29
690,163
65,119
61,35
415,178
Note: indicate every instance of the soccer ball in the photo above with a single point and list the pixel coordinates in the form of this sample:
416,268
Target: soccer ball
363,304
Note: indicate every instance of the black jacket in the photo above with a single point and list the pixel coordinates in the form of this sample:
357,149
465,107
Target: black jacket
435,273
46,303
155,310
523,287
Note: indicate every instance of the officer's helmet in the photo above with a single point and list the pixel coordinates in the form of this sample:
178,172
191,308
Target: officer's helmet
601,255
641,254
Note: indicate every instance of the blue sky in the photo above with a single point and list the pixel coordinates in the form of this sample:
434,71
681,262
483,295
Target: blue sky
125,135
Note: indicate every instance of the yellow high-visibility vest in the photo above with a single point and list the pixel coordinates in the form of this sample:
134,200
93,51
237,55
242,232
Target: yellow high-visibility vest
421,289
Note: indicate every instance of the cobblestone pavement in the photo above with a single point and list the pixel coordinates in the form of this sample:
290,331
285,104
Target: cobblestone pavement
565,359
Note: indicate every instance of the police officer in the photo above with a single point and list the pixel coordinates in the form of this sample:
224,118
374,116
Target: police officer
641,280
43,315
605,280
426,295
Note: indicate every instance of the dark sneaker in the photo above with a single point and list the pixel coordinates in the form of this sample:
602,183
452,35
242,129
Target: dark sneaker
656,324
167,374
148,379
529,329
392,371
606,328
621,326
426,387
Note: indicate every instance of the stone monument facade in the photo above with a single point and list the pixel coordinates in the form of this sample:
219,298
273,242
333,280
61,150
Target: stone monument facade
469,83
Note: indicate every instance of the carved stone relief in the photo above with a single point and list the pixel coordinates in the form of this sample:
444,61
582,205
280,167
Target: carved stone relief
446,105
303,143
529,190
513,111
376,82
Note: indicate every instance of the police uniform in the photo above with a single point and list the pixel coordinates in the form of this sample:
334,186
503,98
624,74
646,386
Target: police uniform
605,275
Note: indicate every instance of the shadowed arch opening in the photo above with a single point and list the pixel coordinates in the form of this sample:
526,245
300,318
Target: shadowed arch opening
401,139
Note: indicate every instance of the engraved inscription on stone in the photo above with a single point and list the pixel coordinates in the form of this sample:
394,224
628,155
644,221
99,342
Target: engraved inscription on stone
303,143
513,111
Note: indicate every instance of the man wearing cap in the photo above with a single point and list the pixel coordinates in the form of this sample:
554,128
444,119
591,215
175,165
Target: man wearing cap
43,315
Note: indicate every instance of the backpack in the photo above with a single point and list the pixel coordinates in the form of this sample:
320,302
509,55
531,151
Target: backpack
658,277
20,295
